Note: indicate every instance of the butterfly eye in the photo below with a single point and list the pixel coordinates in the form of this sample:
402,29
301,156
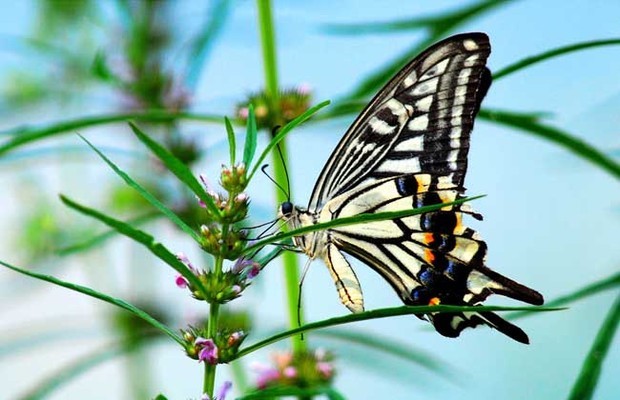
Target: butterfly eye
286,208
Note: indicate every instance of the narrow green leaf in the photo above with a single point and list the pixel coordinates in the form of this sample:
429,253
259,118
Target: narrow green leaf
232,144
379,313
104,297
146,195
283,132
526,62
357,219
526,123
389,346
250,138
178,168
597,287
24,135
591,370
99,239
287,391
141,237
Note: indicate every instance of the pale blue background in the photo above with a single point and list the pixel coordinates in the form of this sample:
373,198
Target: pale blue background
551,220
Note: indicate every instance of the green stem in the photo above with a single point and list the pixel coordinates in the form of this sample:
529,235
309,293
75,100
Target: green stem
291,268
209,376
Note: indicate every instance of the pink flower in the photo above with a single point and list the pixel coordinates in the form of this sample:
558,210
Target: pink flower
208,352
181,282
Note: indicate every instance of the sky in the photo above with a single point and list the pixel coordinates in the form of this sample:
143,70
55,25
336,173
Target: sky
551,219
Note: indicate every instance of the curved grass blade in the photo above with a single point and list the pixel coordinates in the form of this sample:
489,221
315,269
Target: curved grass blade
526,62
102,237
379,313
301,393
232,144
591,370
101,296
250,138
437,27
357,219
597,287
146,195
25,135
283,132
141,237
530,124
217,15
389,346
177,167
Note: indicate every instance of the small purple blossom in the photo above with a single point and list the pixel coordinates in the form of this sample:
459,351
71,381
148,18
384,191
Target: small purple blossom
304,88
244,112
181,282
325,368
290,372
209,351
223,391
245,265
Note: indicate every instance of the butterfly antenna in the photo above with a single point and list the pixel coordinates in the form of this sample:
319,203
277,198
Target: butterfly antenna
288,182
274,181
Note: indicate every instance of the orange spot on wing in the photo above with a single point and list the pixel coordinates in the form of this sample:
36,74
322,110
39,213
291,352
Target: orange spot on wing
429,256
434,301
428,238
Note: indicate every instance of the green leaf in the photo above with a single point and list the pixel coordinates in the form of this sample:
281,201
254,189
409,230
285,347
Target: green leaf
250,138
283,132
302,393
597,287
178,168
96,240
591,370
232,144
147,196
526,62
527,123
24,135
389,346
98,295
141,237
379,313
161,397
357,219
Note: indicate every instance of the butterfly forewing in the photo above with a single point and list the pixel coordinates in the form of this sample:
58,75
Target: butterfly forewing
419,122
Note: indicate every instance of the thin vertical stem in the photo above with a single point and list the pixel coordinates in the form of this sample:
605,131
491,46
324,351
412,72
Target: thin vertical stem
209,376
291,267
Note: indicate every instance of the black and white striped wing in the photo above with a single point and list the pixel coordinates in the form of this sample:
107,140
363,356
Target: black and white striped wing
420,122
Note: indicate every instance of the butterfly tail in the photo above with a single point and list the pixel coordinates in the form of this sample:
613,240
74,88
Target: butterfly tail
483,281
451,324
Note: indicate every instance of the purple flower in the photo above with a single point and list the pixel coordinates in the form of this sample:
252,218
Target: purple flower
290,372
223,391
208,352
245,265
181,281
325,368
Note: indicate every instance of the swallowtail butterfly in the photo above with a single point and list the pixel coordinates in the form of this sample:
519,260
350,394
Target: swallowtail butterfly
408,148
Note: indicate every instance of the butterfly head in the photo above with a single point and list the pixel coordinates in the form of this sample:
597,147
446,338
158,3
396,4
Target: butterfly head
286,210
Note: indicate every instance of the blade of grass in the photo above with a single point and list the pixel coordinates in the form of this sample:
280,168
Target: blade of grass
287,391
357,219
141,237
101,296
528,61
389,346
379,313
592,289
527,123
250,138
26,135
101,238
283,132
178,168
587,381
146,195
232,144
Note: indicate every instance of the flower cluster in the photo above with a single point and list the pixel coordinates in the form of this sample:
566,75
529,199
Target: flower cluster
218,350
223,287
308,369
292,103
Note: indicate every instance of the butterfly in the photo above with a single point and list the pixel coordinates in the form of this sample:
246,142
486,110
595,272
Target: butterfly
408,148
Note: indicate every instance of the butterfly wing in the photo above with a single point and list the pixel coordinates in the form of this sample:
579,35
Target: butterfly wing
419,122
408,148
